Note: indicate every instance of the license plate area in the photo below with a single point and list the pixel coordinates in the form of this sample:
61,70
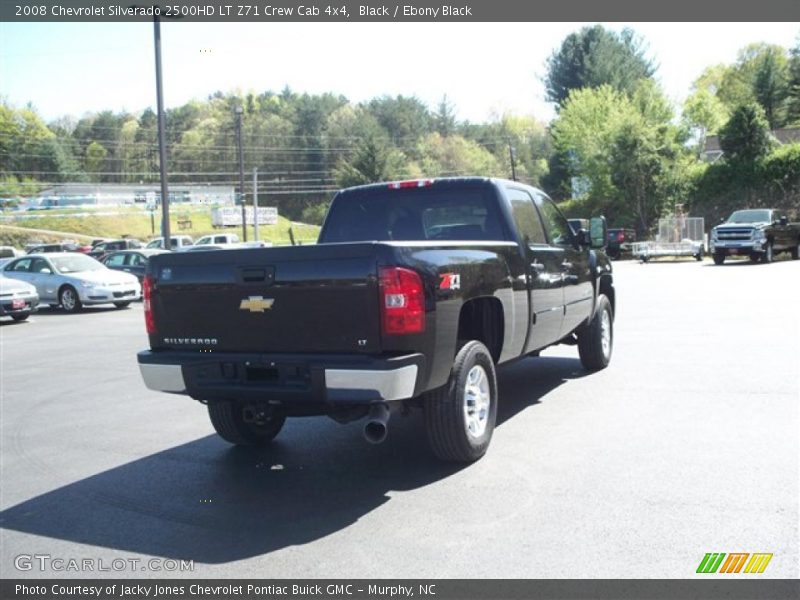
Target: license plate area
17,304
282,375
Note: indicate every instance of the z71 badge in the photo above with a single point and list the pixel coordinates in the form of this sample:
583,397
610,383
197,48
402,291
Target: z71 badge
450,281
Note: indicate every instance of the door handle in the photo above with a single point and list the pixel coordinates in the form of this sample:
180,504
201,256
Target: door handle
566,265
537,266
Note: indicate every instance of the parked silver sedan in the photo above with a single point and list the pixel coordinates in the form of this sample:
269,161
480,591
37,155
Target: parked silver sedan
17,299
74,280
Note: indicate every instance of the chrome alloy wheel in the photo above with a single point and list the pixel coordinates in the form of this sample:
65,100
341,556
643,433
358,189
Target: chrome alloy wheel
477,401
69,299
605,333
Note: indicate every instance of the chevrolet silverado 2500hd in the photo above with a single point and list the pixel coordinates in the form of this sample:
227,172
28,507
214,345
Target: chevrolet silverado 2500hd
759,233
413,293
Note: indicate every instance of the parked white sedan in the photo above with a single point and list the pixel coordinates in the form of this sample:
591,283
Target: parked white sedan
74,280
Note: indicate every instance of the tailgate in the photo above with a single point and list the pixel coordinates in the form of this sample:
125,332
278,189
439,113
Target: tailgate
273,300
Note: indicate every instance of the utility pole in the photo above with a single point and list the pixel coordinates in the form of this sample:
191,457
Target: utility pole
239,110
255,203
162,139
512,153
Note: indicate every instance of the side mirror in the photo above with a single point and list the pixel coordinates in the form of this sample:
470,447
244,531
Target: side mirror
598,232
784,221
45,271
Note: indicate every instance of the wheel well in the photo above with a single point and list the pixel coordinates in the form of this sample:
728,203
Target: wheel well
607,288
482,319
62,288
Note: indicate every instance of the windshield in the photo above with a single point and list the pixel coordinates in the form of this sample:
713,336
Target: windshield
75,264
750,216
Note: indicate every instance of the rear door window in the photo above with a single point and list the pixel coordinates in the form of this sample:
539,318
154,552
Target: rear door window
525,216
21,266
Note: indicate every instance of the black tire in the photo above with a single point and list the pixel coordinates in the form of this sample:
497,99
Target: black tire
768,255
228,420
69,299
596,338
795,252
122,304
719,259
21,317
447,413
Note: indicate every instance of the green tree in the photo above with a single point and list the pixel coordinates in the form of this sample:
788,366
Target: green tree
624,150
595,56
704,114
444,156
373,161
95,161
746,137
760,74
793,93
405,119
444,121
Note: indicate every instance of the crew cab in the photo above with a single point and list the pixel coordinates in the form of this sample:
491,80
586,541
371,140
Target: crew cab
413,294
758,233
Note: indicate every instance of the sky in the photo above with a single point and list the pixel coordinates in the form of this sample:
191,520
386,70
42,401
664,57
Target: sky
484,69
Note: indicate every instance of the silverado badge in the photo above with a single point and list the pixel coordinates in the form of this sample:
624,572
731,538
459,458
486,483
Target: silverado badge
256,304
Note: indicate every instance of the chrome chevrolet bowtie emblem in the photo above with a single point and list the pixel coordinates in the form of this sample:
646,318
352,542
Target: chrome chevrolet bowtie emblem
256,304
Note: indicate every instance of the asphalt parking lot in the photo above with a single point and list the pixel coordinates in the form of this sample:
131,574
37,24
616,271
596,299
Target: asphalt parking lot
686,444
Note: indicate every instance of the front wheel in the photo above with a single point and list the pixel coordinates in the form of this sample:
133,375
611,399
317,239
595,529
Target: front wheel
228,419
460,416
21,317
70,301
795,252
769,254
121,304
596,338
719,259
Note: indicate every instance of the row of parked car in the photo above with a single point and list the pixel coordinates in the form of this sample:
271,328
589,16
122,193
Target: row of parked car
72,276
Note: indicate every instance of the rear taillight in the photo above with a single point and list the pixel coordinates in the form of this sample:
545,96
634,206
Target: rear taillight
402,301
414,183
620,237
147,293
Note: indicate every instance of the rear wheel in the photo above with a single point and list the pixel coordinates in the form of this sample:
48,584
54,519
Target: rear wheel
460,416
719,258
70,301
228,418
596,339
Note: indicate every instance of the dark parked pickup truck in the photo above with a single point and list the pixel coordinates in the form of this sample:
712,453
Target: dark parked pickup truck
414,292
759,233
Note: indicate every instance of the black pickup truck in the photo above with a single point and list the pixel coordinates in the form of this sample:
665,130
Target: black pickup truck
759,233
413,293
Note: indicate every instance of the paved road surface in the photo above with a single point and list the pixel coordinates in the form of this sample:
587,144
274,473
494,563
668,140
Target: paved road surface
686,444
